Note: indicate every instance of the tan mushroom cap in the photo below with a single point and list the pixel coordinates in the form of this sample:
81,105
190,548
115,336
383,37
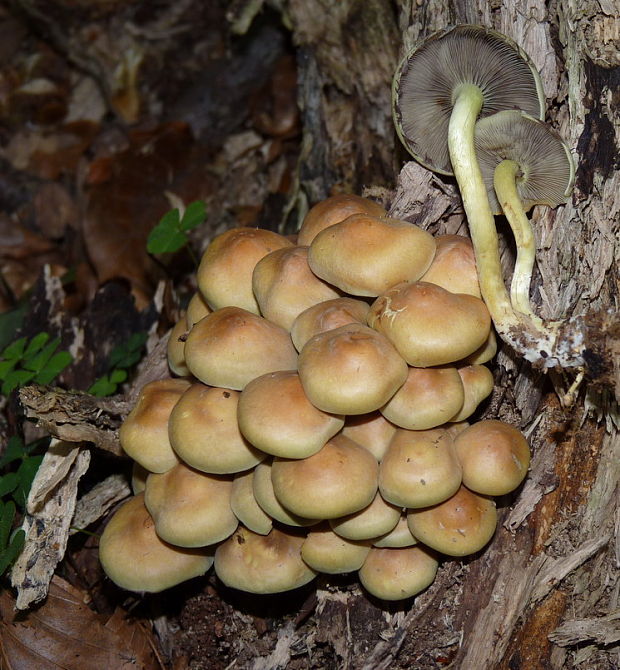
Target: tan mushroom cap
232,346
327,315
332,210
365,255
225,272
175,349
399,536
373,431
428,398
477,385
244,505
420,468
324,551
190,508
378,518
275,415
284,286
485,352
396,574
144,433
454,265
429,325
138,478
136,559
494,457
204,432
350,370
262,487
339,479
262,563
197,309
461,525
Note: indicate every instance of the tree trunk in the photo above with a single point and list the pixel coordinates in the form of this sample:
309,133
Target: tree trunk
545,592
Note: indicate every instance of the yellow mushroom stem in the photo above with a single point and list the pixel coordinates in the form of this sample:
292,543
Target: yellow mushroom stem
505,183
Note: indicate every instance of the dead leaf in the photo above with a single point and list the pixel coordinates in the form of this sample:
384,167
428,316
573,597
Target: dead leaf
65,634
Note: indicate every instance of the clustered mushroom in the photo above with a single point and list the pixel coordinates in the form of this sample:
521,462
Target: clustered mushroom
318,417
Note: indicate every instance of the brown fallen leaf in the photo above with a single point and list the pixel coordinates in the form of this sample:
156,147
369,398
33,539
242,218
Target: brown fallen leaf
65,633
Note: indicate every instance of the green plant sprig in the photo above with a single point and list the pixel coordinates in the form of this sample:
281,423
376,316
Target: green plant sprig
170,234
122,358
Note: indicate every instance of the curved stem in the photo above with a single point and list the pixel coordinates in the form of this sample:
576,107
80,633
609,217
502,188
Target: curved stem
504,182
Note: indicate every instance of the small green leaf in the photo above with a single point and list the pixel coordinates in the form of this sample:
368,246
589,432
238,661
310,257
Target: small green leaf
102,387
37,362
26,472
6,367
8,483
10,323
54,367
195,214
14,451
16,378
129,353
164,240
118,376
18,539
7,514
36,344
15,350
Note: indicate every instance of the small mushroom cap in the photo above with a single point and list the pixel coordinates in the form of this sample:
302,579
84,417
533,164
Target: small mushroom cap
378,518
547,170
399,536
197,309
144,433
190,508
365,255
429,325
373,431
427,78
454,265
459,526
327,315
284,286
262,563
275,415
395,574
494,456
138,478
428,398
204,432
175,349
477,385
136,559
244,505
485,352
232,346
262,487
420,468
350,370
340,479
225,272
333,210
324,551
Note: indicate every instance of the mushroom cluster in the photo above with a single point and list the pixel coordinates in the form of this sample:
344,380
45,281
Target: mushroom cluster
317,419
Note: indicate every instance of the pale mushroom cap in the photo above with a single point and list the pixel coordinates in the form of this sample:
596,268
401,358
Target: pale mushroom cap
284,286
327,315
232,346
461,525
454,265
494,456
399,536
225,272
136,559
547,171
339,479
350,370
378,518
324,551
365,255
477,385
420,468
144,433
262,563
244,505
485,352
190,508
373,431
395,574
197,309
275,415
428,398
429,325
262,487
204,432
425,81
332,210
138,478
175,349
